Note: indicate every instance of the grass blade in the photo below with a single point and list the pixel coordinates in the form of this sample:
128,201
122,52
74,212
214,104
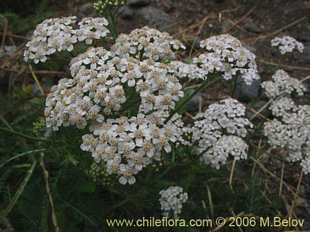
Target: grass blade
19,192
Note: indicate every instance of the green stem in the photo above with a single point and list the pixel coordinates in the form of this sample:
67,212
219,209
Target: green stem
49,192
112,22
204,85
234,87
22,135
5,122
20,155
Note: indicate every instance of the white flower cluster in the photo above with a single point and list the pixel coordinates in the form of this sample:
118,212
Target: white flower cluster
171,200
225,54
188,71
292,133
218,132
92,29
287,44
74,101
60,34
159,89
179,131
98,84
290,129
223,148
282,84
100,79
127,145
147,43
282,107
135,76
66,106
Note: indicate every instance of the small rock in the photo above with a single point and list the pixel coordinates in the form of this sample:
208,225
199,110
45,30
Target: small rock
194,104
10,49
126,12
87,10
306,53
7,50
245,92
138,3
154,17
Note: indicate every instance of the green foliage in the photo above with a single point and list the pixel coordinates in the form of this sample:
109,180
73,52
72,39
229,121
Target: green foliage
25,15
21,7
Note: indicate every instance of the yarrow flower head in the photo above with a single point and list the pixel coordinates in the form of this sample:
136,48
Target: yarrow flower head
287,44
147,43
171,201
60,34
188,71
290,129
225,54
98,88
283,107
226,146
219,132
282,84
127,145
85,97
292,133
180,132
97,93
92,29
126,99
